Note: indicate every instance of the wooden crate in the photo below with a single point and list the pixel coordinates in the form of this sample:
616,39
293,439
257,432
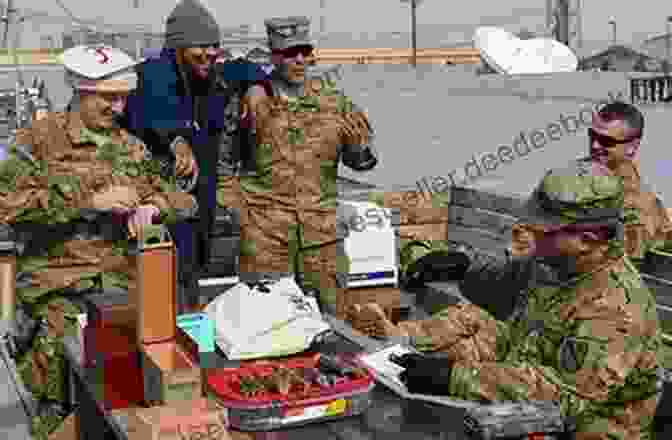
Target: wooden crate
169,374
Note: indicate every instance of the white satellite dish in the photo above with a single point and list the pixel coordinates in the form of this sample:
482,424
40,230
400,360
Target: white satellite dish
507,54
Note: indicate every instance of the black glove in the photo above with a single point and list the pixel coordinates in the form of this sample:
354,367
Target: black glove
358,158
424,375
438,266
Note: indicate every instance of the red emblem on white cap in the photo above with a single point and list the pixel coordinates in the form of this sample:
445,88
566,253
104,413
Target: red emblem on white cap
103,57
102,54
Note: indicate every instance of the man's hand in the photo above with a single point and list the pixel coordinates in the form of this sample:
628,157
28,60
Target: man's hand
185,164
523,241
143,215
425,375
116,198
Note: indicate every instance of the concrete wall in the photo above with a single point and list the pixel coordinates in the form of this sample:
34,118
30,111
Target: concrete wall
433,121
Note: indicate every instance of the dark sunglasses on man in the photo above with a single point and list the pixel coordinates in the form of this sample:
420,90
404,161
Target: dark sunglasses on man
294,51
608,141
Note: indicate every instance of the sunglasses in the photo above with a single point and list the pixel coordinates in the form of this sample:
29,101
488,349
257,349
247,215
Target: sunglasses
293,52
608,141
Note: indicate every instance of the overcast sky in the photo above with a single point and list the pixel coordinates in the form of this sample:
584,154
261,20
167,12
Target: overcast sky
447,20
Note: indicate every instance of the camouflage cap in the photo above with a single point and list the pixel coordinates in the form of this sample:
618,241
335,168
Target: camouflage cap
288,32
575,194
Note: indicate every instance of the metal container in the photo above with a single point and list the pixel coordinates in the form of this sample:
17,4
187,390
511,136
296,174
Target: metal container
7,274
543,419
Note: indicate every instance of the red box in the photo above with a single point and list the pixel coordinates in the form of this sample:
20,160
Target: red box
106,313
118,368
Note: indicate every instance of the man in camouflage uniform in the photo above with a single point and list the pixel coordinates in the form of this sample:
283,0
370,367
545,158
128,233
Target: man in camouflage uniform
69,169
304,129
615,138
589,341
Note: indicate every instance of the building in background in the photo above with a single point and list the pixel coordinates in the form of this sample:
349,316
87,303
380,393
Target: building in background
619,58
658,46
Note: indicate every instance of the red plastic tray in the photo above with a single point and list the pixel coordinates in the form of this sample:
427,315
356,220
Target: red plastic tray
225,383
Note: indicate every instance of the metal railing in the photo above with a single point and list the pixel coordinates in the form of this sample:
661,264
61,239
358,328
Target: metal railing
651,89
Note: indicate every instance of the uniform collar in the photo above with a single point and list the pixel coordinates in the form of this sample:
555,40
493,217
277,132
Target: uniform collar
79,134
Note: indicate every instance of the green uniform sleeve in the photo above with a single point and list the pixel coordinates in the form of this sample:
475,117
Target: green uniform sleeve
604,374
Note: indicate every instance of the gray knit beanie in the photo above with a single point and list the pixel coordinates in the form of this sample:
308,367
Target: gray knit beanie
191,25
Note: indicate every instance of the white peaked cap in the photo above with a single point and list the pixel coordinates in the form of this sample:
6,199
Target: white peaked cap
100,69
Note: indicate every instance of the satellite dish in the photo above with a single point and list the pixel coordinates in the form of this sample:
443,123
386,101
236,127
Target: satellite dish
509,55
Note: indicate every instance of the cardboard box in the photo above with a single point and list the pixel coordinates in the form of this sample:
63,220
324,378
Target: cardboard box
118,367
169,374
105,313
157,282
194,419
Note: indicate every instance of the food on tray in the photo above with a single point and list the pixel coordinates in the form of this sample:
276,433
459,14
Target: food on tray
280,378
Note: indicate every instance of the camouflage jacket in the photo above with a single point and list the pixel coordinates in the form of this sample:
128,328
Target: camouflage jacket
592,344
67,164
299,142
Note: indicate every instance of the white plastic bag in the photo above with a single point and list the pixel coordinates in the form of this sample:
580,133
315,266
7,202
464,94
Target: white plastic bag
268,320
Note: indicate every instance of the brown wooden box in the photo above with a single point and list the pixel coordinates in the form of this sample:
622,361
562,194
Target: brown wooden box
156,293
198,418
170,374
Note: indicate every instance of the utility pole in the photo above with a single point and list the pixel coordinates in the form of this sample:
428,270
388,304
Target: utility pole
323,6
562,21
668,35
8,18
549,14
414,42
612,22
579,25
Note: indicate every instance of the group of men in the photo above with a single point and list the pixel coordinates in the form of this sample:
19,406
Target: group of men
161,142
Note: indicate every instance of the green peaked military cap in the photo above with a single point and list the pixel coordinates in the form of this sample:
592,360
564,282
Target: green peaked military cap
576,193
288,32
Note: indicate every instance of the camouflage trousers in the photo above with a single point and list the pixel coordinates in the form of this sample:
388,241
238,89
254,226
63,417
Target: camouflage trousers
279,238
42,367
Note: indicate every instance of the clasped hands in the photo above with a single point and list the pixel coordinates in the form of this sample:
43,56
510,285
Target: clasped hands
185,163
423,374
125,202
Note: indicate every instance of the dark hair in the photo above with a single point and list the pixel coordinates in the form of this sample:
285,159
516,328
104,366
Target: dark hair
622,111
